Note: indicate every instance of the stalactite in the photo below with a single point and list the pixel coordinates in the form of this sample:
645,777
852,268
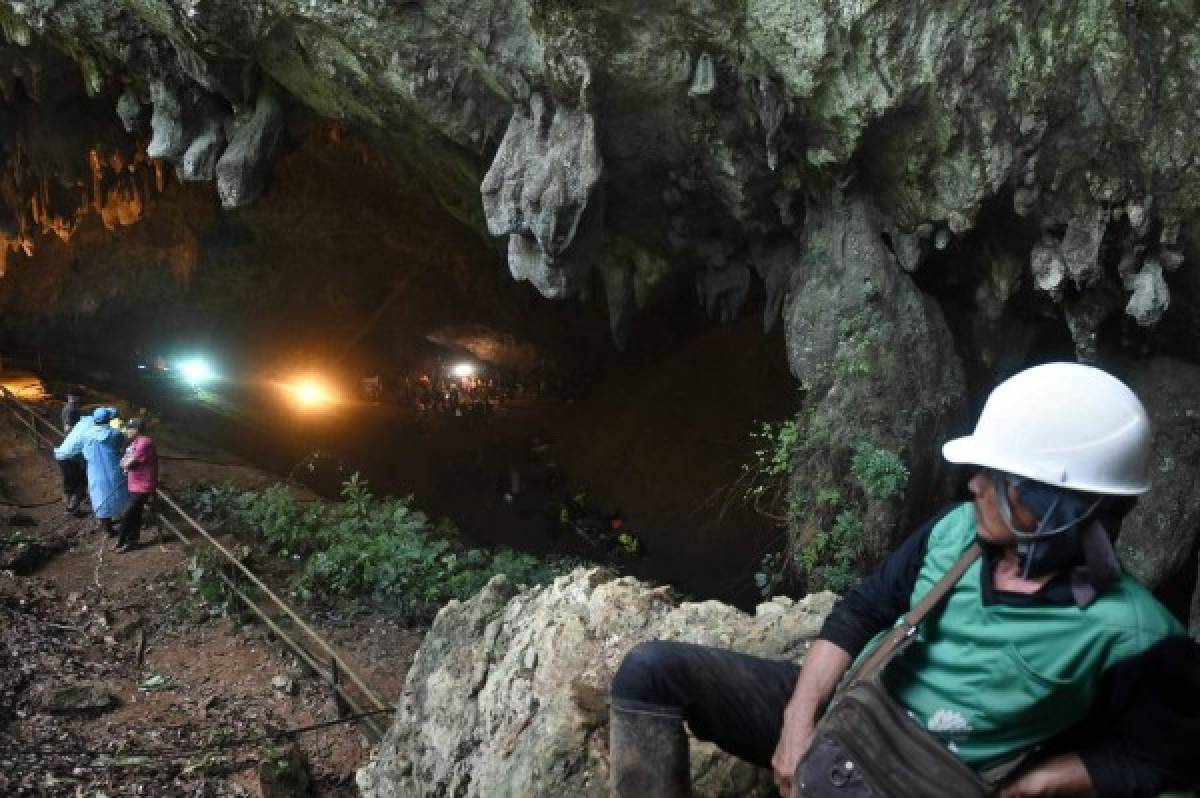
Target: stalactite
121,190
97,175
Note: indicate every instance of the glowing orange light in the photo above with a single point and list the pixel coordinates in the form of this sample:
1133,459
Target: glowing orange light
310,393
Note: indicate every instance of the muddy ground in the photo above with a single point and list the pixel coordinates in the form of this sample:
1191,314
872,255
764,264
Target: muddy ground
193,692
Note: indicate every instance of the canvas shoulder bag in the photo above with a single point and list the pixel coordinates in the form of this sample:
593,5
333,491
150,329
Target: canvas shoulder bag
866,745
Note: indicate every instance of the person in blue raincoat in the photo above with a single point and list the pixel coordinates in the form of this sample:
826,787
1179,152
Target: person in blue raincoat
101,447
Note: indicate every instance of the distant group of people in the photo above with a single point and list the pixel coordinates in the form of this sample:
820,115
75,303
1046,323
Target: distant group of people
112,463
441,393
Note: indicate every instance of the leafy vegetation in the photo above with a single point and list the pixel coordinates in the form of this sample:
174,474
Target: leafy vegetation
860,336
368,546
880,472
765,476
829,536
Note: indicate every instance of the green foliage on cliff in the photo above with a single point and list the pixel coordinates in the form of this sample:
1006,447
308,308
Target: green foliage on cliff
880,473
830,535
368,546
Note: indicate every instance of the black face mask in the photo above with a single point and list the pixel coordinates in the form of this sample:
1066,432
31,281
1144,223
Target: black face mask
1064,518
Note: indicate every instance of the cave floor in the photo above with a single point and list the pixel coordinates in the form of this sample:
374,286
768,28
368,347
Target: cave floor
75,616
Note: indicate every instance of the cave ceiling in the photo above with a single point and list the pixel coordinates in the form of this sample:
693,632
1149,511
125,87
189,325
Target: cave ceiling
619,145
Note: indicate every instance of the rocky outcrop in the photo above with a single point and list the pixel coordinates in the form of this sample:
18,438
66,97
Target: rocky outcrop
508,693
538,191
869,347
252,142
85,697
717,124
1158,540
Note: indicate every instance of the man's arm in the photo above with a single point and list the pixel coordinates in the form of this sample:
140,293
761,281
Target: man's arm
72,445
1063,775
823,669
137,452
869,608
1144,732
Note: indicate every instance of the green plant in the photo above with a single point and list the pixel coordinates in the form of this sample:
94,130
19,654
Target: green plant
846,538
831,536
828,556
880,472
836,577
777,445
202,572
214,503
373,546
858,337
827,498
812,551
764,477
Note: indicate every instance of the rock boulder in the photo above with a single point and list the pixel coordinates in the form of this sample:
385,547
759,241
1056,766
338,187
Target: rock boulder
508,693
1159,536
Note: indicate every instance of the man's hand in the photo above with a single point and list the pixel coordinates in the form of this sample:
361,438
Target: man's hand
1063,775
794,743
823,667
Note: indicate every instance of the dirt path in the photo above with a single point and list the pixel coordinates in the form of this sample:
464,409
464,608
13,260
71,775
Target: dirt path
86,613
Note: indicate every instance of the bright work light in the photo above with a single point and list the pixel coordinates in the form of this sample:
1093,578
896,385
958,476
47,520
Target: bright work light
197,370
463,370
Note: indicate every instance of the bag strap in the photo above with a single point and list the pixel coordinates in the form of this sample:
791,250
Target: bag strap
908,625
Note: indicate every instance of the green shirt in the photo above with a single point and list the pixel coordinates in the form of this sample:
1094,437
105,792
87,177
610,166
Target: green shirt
993,681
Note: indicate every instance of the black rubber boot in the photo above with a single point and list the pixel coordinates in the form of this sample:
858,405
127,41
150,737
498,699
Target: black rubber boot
648,752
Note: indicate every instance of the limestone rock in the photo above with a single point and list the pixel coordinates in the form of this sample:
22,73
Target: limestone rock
1150,297
1081,246
199,160
1086,313
938,107
880,369
507,695
1159,536
129,109
723,291
538,190
1048,268
167,124
82,697
241,170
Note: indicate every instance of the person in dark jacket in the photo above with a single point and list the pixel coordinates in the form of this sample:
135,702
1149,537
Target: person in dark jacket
1043,648
70,411
73,469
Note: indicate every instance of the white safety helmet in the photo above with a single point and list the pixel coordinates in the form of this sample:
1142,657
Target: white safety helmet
1064,424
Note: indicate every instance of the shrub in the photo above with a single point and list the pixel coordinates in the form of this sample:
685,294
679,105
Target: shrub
880,473
764,478
370,546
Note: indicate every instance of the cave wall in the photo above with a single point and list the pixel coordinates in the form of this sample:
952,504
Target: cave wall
978,184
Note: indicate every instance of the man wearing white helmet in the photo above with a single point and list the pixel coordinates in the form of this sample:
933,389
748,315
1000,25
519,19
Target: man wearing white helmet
1042,659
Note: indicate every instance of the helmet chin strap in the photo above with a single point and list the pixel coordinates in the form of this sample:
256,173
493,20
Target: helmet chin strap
1027,541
